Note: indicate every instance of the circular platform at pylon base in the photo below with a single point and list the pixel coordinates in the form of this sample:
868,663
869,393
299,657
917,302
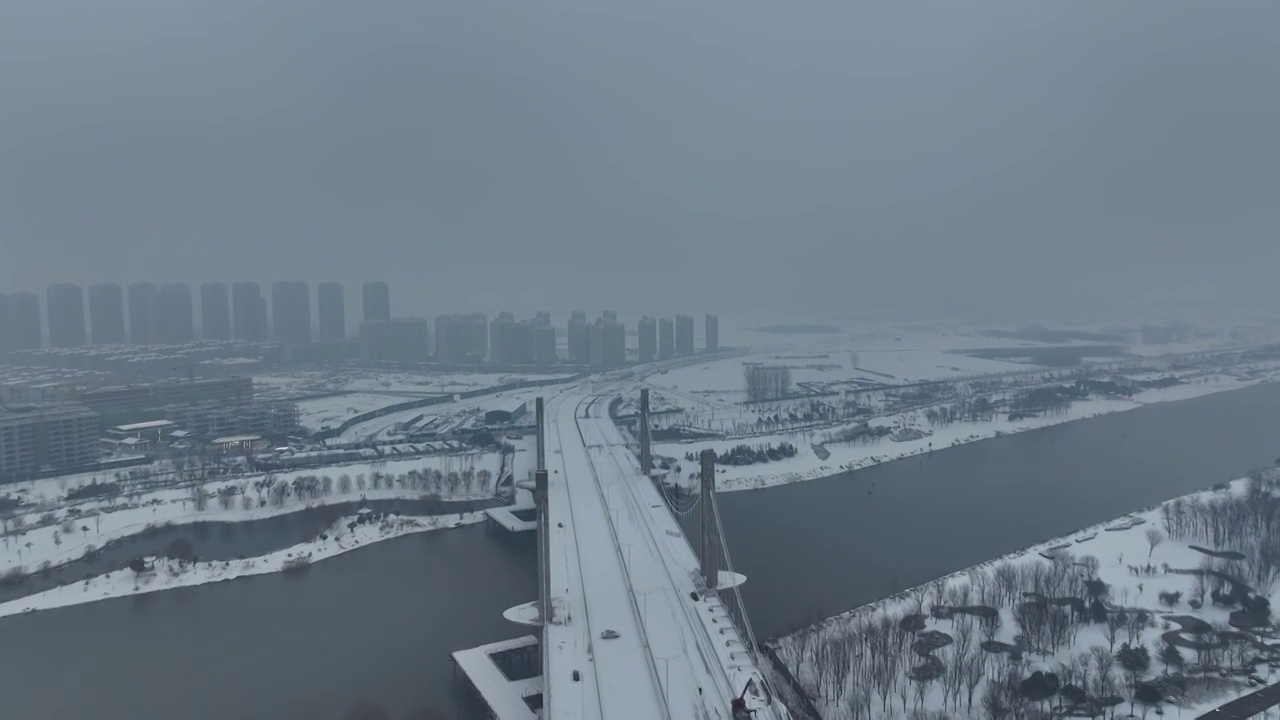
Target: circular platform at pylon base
726,580
526,614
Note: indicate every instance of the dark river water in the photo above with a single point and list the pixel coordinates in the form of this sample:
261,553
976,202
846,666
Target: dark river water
378,623
228,540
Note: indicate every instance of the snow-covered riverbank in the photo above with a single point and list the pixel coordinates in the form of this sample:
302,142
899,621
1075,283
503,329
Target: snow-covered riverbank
69,531
1140,579
166,574
806,465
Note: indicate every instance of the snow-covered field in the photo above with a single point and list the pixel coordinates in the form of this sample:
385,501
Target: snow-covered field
167,574
806,465
365,390
408,383
841,662
333,411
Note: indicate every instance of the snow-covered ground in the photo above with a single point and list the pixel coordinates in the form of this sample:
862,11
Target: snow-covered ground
168,574
1136,564
806,465
332,411
364,390
306,382
97,522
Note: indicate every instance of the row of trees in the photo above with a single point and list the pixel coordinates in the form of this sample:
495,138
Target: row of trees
275,491
748,455
767,382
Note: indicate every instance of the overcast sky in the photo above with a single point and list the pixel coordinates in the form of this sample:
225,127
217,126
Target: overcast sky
825,157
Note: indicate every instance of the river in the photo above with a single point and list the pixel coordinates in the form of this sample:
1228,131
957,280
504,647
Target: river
378,623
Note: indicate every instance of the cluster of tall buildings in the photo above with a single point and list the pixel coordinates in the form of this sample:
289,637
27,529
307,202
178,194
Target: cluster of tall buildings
603,342
473,339
149,314
522,342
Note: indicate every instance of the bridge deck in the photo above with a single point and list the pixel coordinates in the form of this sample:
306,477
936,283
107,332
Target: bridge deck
677,654
615,678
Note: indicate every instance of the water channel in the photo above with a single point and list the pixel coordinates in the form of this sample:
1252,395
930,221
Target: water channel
378,623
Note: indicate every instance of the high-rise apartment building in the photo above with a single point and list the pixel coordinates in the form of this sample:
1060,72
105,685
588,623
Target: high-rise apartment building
20,324
175,316
648,339
249,310
609,316
577,338
608,344
376,297
666,339
462,339
291,311
6,325
142,313
399,340
684,335
215,311
333,312
65,304
499,335
515,343
712,341
106,314
544,344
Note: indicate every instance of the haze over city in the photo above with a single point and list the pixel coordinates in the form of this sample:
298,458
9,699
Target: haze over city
742,360
936,158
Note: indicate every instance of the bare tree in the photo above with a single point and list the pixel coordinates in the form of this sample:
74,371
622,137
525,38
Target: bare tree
1154,538
1115,621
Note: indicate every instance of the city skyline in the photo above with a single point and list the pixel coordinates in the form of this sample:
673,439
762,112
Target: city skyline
173,313
143,313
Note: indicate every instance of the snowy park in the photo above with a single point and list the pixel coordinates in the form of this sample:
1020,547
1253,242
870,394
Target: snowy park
1165,610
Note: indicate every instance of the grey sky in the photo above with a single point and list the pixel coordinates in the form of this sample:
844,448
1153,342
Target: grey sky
944,157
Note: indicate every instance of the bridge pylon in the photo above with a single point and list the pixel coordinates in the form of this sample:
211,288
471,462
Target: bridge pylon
646,455
709,542
542,435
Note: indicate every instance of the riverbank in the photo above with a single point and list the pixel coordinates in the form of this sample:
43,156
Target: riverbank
161,573
1140,579
50,530
843,457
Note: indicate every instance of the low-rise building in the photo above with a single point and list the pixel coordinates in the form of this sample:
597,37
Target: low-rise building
151,430
238,443
38,440
268,418
505,412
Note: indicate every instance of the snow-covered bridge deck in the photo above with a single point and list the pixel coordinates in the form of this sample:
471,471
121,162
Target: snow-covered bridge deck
677,654
629,632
